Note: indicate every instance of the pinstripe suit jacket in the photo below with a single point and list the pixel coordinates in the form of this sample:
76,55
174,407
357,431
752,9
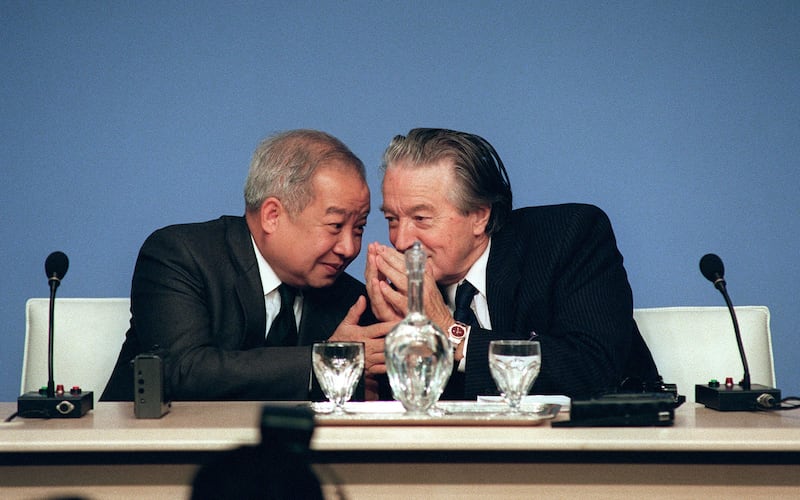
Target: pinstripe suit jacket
196,297
554,272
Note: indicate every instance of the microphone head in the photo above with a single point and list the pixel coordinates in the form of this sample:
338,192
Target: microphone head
56,265
712,268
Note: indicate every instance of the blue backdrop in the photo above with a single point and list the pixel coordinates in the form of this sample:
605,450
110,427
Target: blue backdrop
679,118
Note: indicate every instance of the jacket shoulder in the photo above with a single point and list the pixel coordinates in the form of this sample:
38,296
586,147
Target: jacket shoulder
563,211
221,225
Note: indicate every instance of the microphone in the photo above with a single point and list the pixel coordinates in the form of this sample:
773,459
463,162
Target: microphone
747,396
714,270
55,267
47,402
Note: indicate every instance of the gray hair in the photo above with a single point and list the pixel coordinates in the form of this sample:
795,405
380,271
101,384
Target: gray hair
284,164
481,178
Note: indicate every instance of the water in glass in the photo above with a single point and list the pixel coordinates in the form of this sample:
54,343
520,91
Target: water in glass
338,367
514,365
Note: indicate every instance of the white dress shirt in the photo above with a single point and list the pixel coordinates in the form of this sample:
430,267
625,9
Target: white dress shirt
270,283
480,306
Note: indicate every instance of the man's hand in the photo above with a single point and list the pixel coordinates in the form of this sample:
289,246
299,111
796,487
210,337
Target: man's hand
389,265
382,297
372,336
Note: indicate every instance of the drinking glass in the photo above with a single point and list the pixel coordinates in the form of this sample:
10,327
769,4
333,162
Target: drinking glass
338,367
514,365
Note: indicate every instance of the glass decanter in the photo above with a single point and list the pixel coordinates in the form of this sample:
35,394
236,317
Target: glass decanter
419,356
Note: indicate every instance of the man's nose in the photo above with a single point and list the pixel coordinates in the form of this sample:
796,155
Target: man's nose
404,236
347,245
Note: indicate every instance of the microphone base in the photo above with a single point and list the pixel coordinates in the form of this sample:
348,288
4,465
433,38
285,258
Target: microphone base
722,398
38,405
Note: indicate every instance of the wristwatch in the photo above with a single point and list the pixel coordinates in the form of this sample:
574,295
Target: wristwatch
457,332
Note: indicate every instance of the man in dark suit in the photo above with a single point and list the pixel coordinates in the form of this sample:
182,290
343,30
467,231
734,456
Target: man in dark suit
550,273
209,297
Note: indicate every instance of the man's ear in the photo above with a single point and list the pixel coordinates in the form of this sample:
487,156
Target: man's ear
270,213
480,219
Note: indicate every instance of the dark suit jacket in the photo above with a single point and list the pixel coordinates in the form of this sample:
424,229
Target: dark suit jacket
196,298
555,272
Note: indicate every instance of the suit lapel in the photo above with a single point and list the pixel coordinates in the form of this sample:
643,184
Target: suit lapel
248,284
502,279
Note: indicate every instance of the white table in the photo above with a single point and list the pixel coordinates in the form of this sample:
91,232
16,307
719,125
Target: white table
110,454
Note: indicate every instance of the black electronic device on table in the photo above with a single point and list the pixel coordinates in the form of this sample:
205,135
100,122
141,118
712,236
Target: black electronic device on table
149,392
53,401
624,409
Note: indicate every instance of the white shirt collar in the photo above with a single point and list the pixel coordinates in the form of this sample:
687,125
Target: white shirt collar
476,275
269,280
269,284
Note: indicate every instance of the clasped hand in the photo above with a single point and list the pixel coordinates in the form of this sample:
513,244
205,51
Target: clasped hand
387,286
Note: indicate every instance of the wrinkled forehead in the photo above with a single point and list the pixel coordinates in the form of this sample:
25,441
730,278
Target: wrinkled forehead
416,187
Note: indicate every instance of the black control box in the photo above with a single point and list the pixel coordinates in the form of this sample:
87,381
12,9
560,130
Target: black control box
73,404
149,396
623,409
736,398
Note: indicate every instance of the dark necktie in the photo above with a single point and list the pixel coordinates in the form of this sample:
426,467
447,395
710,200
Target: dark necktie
463,312
283,331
